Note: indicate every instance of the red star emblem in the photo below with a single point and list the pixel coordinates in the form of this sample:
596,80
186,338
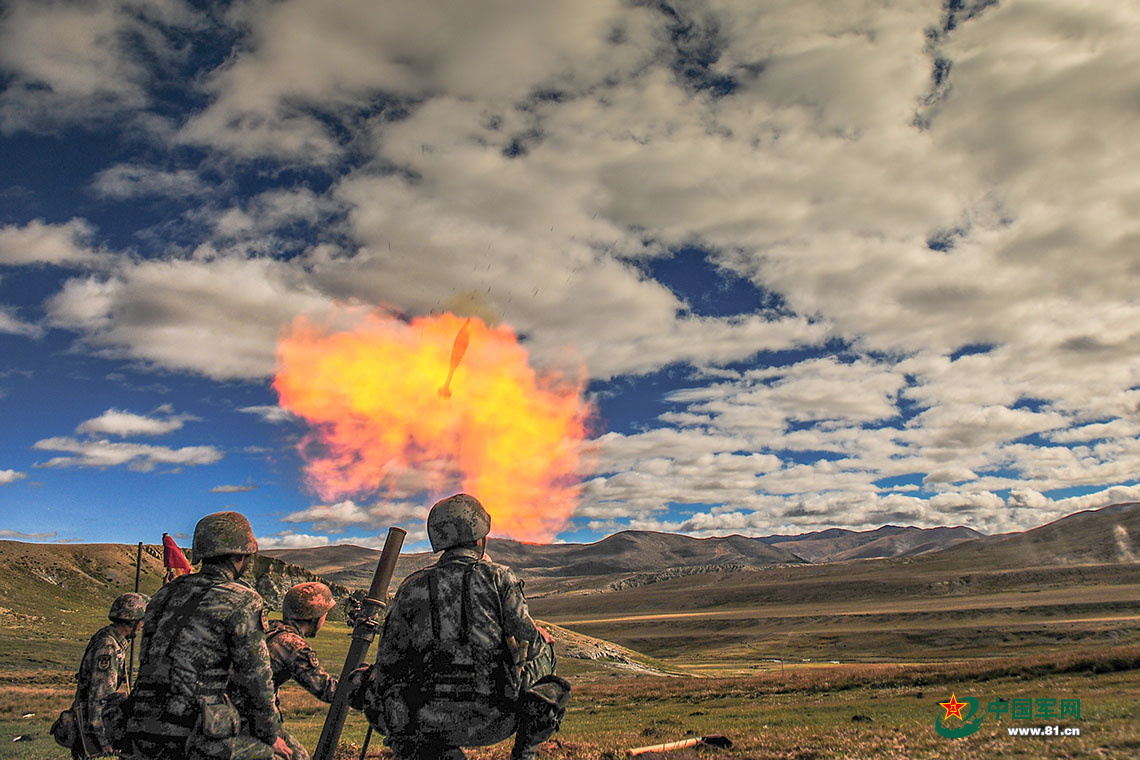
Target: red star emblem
953,707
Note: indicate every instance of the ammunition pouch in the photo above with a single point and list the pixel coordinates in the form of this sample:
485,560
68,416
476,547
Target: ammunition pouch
213,735
219,720
64,730
541,710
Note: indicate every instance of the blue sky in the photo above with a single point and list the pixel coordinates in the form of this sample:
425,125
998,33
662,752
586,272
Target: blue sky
826,266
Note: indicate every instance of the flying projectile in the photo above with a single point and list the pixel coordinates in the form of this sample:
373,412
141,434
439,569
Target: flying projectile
457,350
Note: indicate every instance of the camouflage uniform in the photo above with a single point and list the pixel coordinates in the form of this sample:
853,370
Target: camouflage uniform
291,657
204,639
458,657
101,672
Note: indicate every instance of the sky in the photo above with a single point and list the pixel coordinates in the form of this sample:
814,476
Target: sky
825,264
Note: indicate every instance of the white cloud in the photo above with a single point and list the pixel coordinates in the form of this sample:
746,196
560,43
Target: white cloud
11,476
233,489
20,536
123,181
335,517
37,242
1114,495
121,423
268,413
289,540
11,323
139,457
153,311
82,63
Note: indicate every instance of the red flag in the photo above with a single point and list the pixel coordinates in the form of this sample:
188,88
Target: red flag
173,558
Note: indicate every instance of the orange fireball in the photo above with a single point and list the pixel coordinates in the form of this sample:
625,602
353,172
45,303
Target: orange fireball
505,433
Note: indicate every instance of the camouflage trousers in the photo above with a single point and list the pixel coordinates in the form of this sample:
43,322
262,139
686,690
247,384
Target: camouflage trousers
235,748
535,718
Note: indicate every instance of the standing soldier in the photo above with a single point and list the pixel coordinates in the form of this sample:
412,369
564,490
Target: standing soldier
98,703
304,610
461,662
203,642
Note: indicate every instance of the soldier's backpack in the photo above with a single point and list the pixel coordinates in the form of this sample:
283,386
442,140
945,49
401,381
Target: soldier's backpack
456,670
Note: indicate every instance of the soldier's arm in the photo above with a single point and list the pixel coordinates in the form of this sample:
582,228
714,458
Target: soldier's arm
106,673
306,670
252,676
517,622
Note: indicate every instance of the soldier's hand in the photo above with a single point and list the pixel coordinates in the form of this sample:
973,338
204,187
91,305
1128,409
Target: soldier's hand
281,749
357,684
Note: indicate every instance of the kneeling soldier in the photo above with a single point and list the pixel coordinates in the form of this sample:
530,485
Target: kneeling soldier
205,689
461,663
304,610
102,671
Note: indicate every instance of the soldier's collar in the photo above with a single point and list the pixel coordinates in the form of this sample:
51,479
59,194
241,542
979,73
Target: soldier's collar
218,572
288,624
122,640
460,553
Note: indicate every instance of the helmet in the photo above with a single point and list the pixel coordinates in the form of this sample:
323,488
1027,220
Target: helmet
128,608
457,520
307,601
223,533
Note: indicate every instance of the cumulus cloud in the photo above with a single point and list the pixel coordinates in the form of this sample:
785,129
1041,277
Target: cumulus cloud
82,63
268,413
11,323
11,476
37,242
137,456
123,181
335,517
19,536
233,489
290,540
153,311
120,423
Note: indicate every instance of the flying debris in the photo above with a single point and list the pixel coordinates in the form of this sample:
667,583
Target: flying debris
458,349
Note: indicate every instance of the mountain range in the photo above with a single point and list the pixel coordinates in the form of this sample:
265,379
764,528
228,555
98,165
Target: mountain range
634,557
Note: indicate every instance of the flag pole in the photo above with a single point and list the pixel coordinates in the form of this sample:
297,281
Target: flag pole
138,574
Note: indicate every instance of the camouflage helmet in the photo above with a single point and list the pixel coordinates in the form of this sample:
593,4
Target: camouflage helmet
223,533
128,608
307,601
457,520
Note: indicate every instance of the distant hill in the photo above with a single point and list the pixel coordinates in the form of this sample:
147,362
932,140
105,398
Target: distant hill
1109,534
622,553
839,545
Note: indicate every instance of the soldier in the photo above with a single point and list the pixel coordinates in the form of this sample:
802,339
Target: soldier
204,642
461,662
304,610
101,672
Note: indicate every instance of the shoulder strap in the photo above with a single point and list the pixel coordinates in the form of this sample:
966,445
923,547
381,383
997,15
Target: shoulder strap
465,605
433,604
